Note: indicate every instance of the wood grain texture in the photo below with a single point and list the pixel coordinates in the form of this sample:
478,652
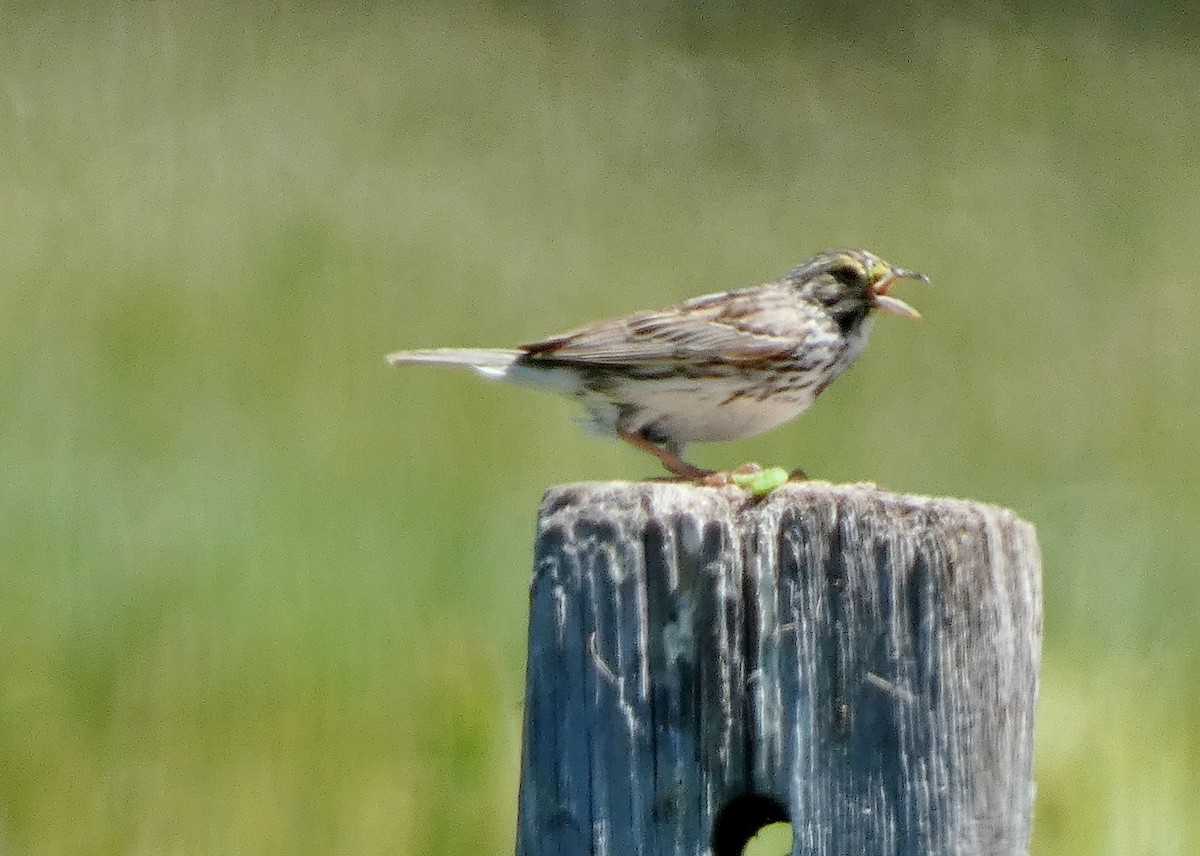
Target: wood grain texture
860,663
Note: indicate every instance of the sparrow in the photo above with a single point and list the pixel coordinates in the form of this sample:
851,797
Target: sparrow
716,367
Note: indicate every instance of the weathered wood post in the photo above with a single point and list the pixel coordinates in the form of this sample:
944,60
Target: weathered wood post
861,664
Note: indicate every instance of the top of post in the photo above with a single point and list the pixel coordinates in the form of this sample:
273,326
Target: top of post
666,497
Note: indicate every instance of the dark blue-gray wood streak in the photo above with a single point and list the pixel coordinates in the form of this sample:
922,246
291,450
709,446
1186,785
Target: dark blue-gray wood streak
861,663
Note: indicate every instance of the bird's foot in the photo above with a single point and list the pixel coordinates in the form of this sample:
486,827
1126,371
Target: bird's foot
749,477
729,478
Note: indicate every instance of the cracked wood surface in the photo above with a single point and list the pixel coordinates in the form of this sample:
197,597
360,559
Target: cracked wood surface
860,663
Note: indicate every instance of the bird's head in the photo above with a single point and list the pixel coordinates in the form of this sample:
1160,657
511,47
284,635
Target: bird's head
848,284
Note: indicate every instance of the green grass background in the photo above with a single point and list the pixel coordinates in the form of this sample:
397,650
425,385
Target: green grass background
260,594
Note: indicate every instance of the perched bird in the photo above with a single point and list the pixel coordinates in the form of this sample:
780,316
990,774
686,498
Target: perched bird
716,367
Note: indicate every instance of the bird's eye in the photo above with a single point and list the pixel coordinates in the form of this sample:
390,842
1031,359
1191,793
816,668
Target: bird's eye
848,274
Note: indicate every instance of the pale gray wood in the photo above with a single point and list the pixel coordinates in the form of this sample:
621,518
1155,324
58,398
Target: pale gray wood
860,663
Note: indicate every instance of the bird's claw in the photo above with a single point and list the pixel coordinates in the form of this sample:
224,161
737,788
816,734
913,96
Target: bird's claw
729,478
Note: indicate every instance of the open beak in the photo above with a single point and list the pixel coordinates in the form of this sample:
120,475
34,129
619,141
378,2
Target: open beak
886,302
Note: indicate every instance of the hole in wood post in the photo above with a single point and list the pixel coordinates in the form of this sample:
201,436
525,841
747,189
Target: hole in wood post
742,818
774,839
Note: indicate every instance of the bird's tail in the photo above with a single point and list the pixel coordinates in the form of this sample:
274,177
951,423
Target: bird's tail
491,363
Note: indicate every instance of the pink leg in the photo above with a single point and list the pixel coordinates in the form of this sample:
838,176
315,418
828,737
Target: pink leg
674,464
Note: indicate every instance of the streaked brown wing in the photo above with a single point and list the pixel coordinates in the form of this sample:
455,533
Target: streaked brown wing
738,327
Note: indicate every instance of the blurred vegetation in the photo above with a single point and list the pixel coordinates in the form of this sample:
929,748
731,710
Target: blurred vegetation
259,594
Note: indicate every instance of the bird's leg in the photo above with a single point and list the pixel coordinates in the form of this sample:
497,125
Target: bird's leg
674,464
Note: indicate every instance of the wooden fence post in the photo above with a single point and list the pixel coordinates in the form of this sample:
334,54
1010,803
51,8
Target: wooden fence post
858,663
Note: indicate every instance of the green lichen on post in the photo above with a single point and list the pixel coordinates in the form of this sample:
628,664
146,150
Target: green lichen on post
761,482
